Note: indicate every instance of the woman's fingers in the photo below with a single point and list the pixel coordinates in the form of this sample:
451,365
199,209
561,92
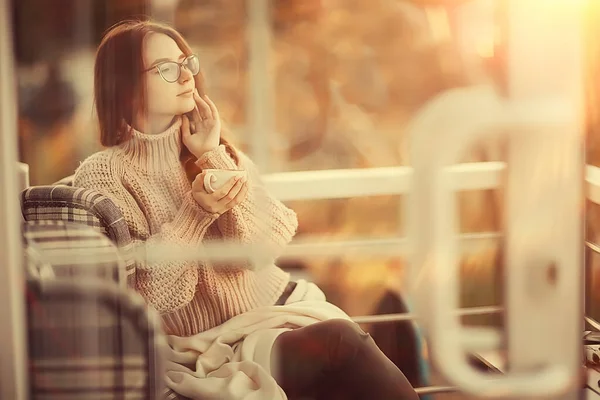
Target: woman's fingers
198,184
240,197
196,117
213,108
203,108
228,196
224,190
185,129
233,192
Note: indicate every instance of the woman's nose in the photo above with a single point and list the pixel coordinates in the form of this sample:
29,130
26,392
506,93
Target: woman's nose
186,75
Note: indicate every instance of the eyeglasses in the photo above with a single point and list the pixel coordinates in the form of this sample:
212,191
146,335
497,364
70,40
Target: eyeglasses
170,71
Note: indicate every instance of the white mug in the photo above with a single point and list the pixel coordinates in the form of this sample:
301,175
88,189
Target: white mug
214,179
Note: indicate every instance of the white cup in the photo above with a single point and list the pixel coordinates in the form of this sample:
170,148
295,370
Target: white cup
214,179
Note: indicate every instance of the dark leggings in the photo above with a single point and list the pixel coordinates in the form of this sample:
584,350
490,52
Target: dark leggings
334,360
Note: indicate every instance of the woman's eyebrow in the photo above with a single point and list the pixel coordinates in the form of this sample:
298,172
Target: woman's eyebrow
159,60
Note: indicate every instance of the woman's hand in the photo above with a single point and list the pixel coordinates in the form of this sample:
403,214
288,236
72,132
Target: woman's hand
201,133
228,196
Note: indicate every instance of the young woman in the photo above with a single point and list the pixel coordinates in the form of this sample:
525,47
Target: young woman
160,131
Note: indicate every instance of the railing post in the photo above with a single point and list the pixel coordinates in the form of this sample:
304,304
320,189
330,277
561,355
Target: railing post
260,104
13,334
545,187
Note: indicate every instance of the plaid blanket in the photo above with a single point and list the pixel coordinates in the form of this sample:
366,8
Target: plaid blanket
91,340
82,206
60,244
57,249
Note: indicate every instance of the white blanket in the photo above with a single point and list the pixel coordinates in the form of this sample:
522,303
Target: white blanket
233,361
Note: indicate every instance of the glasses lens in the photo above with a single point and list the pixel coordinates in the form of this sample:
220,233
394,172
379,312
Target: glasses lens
169,71
193,65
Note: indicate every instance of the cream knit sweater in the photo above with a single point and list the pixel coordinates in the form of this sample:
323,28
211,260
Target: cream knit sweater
146,181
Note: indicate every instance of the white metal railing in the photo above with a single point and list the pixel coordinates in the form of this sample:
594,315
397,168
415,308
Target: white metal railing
331,184
470,311
347,183
592,179
304,249
540,114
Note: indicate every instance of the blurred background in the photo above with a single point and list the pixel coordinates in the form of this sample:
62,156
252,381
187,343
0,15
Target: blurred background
348,76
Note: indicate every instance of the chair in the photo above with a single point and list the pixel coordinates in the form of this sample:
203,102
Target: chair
86,336
83,206
67,250
92,340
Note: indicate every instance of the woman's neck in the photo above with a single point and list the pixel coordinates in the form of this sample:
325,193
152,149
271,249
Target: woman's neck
153,125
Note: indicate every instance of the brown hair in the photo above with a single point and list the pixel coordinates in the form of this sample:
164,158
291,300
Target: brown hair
119,89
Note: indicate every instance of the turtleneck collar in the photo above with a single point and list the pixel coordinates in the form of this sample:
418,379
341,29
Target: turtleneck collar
157,152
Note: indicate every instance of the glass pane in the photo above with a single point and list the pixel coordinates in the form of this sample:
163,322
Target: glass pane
593,159
55,43
349,76
216,30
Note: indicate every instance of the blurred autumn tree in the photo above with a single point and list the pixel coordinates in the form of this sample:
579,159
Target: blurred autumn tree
348,76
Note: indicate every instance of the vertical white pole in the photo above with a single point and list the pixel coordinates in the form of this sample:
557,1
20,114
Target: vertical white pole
13,376
544,263
260,104
163,10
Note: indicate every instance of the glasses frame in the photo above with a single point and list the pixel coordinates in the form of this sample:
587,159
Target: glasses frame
180,65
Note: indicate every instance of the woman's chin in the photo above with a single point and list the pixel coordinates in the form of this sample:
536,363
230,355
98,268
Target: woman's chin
187,106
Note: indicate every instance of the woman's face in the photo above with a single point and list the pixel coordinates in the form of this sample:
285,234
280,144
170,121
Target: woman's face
164,99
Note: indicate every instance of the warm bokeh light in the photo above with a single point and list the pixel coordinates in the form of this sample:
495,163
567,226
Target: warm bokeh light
486,48
563,5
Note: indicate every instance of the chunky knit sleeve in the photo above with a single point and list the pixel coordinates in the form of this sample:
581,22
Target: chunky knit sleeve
167,286
261,218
